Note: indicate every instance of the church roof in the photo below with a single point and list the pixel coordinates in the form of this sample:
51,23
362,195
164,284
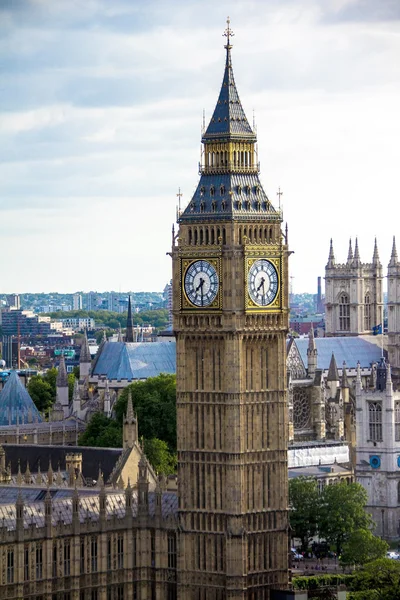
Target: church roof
228,120
140,360
348,349
16,403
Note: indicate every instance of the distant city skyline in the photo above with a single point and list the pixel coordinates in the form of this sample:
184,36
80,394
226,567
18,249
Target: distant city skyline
100,124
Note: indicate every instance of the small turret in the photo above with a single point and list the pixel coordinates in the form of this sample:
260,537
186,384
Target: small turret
375,258
345,385
129,324
331,258
394,259
358,378
381,373
85,359
312,353
356,257
333,376
76,399
143,486
130,427
350,254
62,386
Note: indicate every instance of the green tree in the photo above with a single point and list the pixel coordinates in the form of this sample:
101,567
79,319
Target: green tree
363,547
154,401
51,378
161,459
102,432
304,500
381,576
41,393
71,382
342,511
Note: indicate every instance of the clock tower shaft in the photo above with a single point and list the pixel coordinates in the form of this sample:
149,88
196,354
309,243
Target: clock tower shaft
231,374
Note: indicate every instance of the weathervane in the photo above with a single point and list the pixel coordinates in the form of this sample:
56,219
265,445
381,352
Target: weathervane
228,33
279,194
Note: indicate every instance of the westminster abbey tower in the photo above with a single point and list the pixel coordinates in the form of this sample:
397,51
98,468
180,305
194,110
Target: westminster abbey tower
230,307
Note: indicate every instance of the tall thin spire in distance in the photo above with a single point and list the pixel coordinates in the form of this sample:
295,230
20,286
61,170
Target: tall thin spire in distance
85,356
356,258
331,257
350,253
62,377
129,323
375,258
394,259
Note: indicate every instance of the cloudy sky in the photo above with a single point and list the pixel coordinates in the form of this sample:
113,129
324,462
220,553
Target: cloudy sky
100,118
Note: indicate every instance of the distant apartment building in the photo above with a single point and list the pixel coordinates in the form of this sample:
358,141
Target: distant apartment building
13,301
78,323
92,301
77,302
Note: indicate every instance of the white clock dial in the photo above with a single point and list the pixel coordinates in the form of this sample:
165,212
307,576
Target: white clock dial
263,282
201,283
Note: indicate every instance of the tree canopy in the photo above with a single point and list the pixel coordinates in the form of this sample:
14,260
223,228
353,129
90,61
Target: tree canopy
378,580
111,320
342,512
102,432
304,502
363,547
42,390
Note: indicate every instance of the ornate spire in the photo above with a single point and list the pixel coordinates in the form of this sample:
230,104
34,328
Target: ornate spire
311,340
229,120
356,258
345,381
350,253
375,258
358,378
331,257
85,356
62,377
394,258
333,374
129,323
129,409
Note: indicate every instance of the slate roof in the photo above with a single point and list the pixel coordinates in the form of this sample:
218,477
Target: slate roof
229,120
347,349
228,196
88,509
15,401
139,360
92,458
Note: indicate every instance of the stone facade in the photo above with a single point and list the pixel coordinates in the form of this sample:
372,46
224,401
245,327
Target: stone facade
353,294
231,371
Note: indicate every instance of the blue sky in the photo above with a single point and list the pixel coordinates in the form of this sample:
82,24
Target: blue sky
100,118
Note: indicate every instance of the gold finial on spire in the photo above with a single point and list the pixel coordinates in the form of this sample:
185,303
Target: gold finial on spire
228,33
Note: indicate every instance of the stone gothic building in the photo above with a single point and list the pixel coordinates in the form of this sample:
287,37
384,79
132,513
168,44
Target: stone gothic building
353,294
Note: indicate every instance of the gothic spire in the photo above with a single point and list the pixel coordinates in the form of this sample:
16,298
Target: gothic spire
333,374
331,257
85,356
356,258
345,381
375,258
129,409
229,120
129,323
394,258
62,377
350,253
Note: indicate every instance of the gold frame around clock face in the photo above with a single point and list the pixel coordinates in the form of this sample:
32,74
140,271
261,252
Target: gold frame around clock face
186,302
276,304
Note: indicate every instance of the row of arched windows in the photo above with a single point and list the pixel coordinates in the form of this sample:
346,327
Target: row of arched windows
344,312
220,159
257,235
197,236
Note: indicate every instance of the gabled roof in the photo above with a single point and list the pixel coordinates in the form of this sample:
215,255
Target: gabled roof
140,360
229,119
16,403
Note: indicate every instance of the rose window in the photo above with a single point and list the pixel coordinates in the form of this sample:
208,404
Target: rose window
301,409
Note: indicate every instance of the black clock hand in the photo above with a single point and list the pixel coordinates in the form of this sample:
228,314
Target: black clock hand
261,284
200,286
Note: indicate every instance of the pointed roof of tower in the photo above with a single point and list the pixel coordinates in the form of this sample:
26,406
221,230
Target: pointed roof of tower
394,259
62,377
345,381
331,257
356,258
333,373
350,253
16,403
229,119
311,340
85,356
130,415
129,324
375,258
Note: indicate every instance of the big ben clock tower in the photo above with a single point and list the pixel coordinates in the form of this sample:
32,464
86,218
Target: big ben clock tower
230,307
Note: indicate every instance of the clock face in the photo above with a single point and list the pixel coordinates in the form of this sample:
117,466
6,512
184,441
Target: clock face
263,282
201,283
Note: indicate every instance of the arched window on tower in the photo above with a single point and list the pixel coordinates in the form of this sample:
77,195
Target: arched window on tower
367,312
375,421
344,313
